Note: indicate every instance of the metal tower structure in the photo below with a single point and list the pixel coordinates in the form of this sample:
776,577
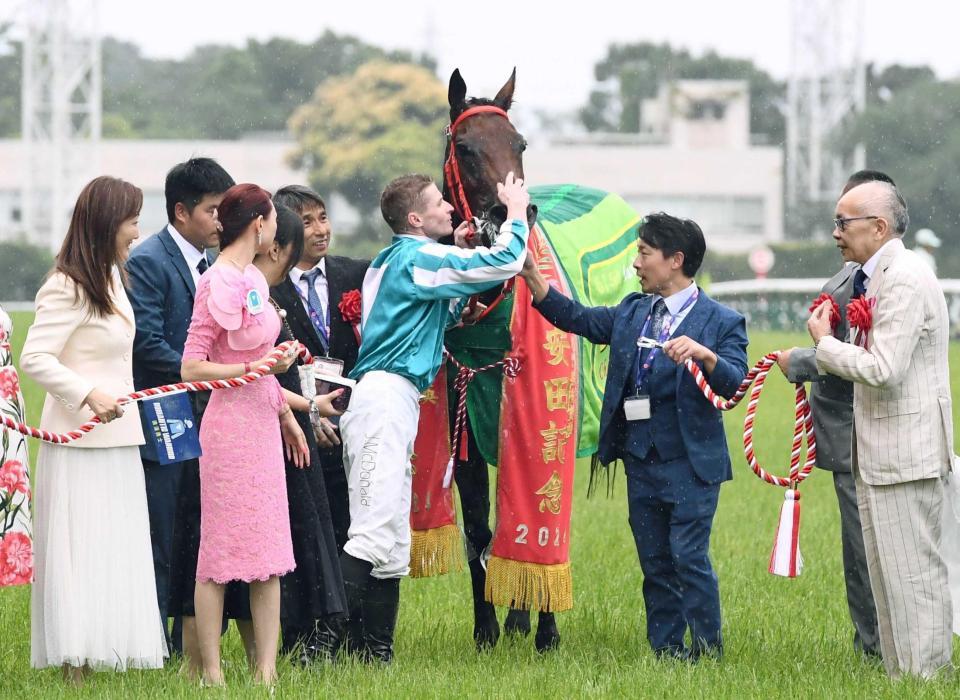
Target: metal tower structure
826,89
62,111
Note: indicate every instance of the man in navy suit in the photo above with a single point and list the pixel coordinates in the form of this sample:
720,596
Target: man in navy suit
163,273
656,420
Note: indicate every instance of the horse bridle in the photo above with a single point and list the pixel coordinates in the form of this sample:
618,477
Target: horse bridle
458,198
451,167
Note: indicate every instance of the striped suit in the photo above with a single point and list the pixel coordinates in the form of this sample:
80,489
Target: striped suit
903,445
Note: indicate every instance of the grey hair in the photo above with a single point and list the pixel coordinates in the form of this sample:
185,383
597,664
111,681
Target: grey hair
896,206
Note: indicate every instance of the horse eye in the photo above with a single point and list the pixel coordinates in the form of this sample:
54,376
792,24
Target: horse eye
465,149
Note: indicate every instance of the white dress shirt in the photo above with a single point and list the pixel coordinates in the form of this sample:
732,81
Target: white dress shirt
320,285
189,252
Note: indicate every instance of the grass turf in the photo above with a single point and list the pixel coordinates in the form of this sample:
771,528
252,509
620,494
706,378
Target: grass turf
782,637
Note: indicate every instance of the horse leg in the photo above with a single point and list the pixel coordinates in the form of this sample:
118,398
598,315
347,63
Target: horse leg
517,622
548,636
473,483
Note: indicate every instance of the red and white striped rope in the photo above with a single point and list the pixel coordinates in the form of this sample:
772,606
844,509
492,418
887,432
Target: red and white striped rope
802,426
511,367
251,376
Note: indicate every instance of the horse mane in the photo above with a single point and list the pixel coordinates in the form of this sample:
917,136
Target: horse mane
486,101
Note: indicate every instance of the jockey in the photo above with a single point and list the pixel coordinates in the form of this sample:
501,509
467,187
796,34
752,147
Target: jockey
414,289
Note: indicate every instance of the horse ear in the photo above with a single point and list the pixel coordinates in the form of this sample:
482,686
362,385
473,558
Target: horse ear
456,92
504,98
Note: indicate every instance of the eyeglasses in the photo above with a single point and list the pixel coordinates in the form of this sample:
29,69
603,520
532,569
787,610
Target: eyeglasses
841,223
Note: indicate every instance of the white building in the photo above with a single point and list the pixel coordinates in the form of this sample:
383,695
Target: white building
694,158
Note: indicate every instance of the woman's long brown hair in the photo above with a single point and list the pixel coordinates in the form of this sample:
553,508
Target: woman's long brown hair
89,251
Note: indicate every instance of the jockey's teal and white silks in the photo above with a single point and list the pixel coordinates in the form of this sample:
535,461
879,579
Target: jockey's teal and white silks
416,288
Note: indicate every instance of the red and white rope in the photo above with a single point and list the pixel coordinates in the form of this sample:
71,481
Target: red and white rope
251,376
511,367
802,426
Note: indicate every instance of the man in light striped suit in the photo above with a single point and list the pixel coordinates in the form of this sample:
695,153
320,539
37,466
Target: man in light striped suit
903,429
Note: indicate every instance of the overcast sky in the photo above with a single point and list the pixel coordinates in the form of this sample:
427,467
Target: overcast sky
553,44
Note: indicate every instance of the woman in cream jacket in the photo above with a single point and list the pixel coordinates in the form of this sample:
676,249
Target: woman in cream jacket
94,602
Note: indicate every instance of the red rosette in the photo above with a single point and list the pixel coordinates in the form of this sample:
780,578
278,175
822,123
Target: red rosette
834,311
860,314
350,306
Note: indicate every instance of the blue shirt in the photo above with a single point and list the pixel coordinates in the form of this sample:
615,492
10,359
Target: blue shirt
415,289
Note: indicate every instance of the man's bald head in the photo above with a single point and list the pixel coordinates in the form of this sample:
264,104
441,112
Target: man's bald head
881,199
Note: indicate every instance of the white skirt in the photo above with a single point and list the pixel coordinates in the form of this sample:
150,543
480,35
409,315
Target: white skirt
94,598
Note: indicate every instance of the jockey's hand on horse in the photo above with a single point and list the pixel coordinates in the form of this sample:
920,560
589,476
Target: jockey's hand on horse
513,193
465,235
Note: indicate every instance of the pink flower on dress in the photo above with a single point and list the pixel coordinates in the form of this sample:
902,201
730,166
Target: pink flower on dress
234,297
16,559
9,383
13,477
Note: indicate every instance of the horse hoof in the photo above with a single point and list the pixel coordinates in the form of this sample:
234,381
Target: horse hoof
486,629
517,622
548,637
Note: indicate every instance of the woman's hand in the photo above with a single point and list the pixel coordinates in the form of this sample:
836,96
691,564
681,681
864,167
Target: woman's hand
283,364
105,407
326,433
324,403
294,441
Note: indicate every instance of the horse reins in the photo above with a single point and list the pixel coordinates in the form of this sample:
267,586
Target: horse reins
458,197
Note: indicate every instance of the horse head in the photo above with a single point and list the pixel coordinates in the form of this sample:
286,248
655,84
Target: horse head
482,147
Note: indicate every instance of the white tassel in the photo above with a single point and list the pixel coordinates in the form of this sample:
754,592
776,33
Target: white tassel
448,474
785,559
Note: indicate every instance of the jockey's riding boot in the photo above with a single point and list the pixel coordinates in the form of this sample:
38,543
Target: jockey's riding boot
548,636
517,622
381,603
356,576
486,629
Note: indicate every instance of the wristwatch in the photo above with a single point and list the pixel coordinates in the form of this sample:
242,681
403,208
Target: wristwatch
314,413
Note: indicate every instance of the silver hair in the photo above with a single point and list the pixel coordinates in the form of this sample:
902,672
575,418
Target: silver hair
896,207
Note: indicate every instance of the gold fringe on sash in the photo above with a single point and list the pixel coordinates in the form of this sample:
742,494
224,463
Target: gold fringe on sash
435,552
529,586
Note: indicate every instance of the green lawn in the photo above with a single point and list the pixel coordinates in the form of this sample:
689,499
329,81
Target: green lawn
782,637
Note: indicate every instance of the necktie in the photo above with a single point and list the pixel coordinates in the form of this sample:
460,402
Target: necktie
656,325
317,314
656,322
859,284
202,265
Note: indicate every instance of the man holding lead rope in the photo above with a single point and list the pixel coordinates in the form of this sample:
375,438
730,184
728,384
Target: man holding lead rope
656,419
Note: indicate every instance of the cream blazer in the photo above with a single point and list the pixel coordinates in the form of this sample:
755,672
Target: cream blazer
69,351
902,409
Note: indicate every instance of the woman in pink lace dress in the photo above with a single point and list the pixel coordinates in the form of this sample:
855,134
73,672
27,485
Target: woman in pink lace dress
244,523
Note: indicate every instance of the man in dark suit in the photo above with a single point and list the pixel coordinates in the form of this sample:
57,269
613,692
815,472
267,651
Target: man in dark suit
311,296
163,272
831,400
658,422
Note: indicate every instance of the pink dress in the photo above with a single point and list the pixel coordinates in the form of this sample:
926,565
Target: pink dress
244,519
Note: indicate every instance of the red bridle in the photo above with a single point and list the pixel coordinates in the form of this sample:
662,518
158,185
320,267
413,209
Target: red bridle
458,198
451,167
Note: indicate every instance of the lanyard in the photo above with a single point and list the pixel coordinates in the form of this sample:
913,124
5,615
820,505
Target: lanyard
665,331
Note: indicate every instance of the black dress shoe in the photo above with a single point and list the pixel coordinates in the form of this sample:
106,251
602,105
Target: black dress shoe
672,653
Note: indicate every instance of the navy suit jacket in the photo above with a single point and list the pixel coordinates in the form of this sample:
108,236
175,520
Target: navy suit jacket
692,423
161,291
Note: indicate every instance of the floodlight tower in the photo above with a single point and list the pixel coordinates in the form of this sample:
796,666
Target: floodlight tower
826,90
61,95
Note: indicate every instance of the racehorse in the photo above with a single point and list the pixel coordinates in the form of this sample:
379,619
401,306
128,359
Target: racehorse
482,147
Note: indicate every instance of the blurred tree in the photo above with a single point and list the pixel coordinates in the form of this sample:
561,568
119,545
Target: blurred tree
22,269
222,92
915,138
362,130
631,73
